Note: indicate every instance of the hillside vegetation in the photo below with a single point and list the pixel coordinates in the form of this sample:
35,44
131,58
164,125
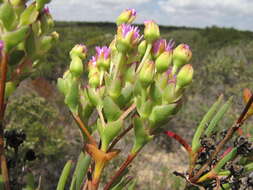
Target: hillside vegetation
222,61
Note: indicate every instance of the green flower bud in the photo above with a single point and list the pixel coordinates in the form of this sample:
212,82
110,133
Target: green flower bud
163,62
79,50
47,21
46,42
41,3
109,132
7,15
76,66
184,76
94,74
126,17
29,15
9,89
147,73
12,39
181,55
151,31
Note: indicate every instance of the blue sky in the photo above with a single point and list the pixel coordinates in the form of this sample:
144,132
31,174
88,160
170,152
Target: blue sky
195,13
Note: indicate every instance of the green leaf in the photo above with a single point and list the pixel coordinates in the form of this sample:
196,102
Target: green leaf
218,116
141,135
72,96
30,182
7,15
29,15
160,114
81,169
224,160
208,116
64,175
111,110
109,132
13,38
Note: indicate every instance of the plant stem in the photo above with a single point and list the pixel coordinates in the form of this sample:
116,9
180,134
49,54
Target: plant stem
118,65
129,159
228,136
84,129
4,169
116,140
129,110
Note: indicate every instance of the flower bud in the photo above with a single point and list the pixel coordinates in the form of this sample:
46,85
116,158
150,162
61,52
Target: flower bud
126,17
181,55
7,15
103,57
163,62
79,50
76,66
184,76
147,73
94,74
142,47
127,37
158,47
46,21
46,42
151,31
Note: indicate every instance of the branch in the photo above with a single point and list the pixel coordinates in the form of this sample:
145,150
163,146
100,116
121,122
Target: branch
228,136
122,134
129,159
125,114
84,129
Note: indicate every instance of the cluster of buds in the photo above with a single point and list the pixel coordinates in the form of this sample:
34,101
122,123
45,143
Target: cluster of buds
216,163
138,79
25,36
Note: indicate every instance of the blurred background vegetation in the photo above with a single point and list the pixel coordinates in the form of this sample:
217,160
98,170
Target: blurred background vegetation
223,64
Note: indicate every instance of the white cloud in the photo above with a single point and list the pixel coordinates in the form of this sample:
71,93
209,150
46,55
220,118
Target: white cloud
197,13
230,13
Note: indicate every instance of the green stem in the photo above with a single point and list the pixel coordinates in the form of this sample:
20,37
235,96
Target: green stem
118,64
144,57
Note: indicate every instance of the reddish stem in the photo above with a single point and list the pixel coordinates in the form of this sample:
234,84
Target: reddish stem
180,140
129,159
4,169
